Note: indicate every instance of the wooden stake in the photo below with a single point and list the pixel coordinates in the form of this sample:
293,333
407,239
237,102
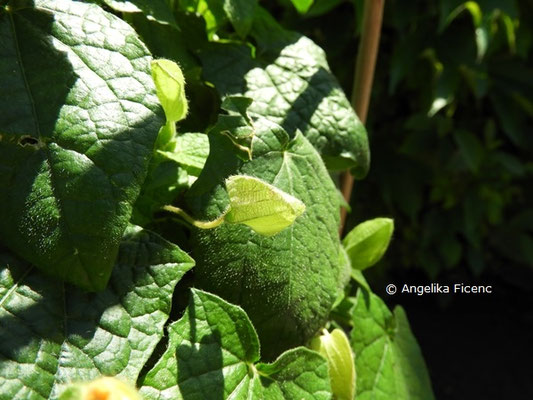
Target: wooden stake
363,77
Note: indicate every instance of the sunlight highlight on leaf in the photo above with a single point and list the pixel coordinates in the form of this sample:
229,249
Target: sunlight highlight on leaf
170,85
263,207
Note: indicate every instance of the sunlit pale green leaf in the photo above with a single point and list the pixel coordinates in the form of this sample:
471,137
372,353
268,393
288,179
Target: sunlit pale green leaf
263,207
170,85
335,347
368,241
448,15
302,5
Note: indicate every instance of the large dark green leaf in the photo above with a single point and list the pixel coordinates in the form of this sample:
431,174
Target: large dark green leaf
388,361
78,120
286,283
212,353
291,84
53,333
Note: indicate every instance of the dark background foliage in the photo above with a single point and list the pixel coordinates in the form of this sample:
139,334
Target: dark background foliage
450,126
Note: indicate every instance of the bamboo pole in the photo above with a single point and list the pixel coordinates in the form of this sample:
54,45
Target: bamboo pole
363,77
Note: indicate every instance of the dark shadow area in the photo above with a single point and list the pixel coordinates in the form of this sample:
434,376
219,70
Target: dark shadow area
20,325
476,346
31,102
200,364
53,304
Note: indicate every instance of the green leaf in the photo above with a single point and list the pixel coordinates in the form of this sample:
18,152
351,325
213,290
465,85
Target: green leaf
358,276
240,14
388,361
237,125
212,353
448,14
53,334
190,151
321,7
368,241
291,84
482,23
446,87
261,206
170,86
302,5
169,41
287,283
166,180
79,117
212,11
299,374
335,347
156,10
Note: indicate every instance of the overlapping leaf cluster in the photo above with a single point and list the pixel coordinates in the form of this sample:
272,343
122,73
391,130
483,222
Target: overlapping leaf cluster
85,154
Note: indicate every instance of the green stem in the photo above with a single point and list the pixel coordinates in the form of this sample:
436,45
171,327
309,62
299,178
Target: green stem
199,224
172,127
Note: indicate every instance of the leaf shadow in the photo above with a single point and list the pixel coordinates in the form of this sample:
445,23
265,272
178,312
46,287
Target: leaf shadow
39,313
304,107
227,65
29,54
200,364
67,181
33,313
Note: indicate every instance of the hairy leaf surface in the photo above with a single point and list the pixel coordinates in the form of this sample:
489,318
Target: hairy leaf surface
388,361
261,206
53,333
291,84
286,283
212,353
78,123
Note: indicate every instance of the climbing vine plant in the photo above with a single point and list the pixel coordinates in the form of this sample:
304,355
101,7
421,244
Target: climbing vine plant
169,224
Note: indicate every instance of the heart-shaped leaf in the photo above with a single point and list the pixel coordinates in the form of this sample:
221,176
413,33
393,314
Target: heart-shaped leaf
78,123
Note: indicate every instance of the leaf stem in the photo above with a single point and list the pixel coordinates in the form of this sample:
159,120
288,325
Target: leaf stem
199,224
172,127
363,77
